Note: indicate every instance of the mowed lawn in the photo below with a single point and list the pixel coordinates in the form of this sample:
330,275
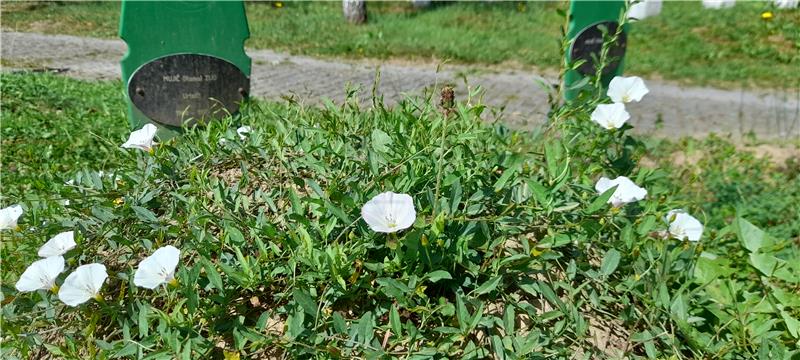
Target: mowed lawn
732,48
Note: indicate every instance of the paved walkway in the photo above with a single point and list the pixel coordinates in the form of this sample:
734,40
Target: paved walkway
669,110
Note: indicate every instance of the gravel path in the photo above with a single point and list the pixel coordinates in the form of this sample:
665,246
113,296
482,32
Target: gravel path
669,110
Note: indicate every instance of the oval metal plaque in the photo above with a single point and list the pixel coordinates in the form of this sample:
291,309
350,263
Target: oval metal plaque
186,88
589,43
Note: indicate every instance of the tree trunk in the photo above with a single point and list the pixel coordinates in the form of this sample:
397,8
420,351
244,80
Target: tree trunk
355,11
421,4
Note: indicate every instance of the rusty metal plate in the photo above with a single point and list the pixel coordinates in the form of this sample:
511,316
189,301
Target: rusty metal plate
186,88
589,43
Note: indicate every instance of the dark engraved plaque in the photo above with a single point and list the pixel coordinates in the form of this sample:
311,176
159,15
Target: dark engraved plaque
176,88
589,43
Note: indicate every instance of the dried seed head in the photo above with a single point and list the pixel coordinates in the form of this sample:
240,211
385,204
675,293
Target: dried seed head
447,101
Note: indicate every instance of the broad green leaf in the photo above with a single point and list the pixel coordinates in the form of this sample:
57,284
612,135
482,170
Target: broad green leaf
497,346
792,324
144,214
294,323
380,141
709,267
437,275
610,262
752,237
488,286
305,301
365,326
772,266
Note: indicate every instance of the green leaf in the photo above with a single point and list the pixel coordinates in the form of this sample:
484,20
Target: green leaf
552,154
213,276
610,262
488,286
501,182
509,318
365,326
394,320
126,351
751,236
103,213
437,275
305,301
772,266
393,287
497,346
142,320
380,141
144,214
709,267
294,323
234,235
792,324
601,201
462,314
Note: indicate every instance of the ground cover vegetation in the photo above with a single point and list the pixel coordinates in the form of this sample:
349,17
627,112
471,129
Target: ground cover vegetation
513,253
733,47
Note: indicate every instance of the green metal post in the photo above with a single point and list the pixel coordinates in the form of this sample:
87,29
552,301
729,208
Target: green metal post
586,38
183,57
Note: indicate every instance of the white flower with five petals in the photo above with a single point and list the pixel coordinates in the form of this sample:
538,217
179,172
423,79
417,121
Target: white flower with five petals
389,212
83,284
610,116
9,217
626,89
627,191
41,275
142,139
683,226
158,268
58,245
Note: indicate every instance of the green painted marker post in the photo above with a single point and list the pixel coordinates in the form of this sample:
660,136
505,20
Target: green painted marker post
186,62
586,39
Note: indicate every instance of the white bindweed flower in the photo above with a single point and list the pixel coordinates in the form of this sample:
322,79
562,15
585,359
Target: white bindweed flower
610,116
626,192
786,4
9,217
158,268
243,131
41,275
644,9
83,284
683,226
626,89
142,139
58,245
718,4
389,212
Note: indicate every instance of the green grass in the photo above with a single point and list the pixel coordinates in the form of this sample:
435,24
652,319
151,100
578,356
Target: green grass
512,254
729,48
53,127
